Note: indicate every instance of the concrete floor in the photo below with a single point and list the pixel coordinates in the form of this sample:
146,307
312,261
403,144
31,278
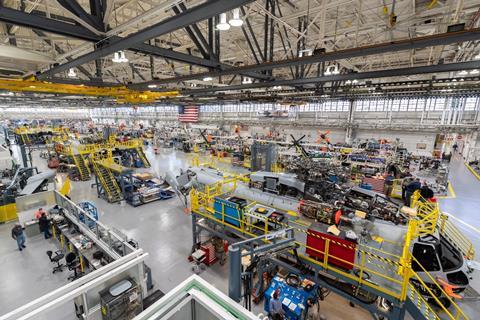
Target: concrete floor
164,231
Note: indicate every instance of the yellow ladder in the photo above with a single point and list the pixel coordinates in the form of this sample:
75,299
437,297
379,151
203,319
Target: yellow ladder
82,167
25,139
142,156
108,182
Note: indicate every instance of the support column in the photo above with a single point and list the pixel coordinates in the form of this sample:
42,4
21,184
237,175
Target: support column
234,280
349,133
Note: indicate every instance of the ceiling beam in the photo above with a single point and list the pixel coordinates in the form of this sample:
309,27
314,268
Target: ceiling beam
186,18
48,25
407,44
39,22
59,50
75,8
451,67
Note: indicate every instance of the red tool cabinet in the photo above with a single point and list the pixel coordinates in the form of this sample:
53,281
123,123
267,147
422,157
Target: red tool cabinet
341,251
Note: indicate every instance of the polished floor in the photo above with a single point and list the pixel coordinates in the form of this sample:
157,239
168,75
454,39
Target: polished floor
164,231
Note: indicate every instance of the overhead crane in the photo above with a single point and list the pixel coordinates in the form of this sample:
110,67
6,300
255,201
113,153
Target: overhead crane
122,94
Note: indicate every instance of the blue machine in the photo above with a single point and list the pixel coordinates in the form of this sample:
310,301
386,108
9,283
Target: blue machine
294,299
231,207
91,209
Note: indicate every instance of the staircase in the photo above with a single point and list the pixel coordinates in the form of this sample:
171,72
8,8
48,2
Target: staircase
82,167
143,157
108,182
418,307
25,139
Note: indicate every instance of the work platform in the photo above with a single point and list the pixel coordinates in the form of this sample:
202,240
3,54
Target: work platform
381,267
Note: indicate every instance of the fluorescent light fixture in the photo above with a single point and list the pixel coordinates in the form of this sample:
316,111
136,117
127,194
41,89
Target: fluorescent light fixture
305,53
277,88
355,81
247,80
151,86
463,73
474,71
72,73
333,69
207,78
348,82
223,25
119,57
236,21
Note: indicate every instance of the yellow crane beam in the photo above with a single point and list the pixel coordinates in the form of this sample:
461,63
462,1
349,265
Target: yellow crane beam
122,94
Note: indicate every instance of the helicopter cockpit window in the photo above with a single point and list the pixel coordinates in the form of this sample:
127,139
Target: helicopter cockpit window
426,256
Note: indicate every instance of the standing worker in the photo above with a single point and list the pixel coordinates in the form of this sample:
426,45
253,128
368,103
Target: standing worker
276,307
313,310
17,234
44,226
39,213
388,184
426,192
411,188
455,147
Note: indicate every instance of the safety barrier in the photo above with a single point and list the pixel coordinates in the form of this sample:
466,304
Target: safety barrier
428,219
456,237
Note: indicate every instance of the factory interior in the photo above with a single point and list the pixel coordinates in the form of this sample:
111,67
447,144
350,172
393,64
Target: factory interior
239,159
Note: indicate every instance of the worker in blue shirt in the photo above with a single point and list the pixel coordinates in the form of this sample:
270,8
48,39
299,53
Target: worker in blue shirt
275,307
411,188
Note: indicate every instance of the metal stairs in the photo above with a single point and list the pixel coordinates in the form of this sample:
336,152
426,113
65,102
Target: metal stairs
82,167
143,157
108,183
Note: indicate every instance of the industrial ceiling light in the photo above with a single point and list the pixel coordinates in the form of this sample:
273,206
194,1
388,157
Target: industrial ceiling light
223,25
332,70
277,88
463,73
236,21
151,86
305,53
119,57
474,71
72,73
247,80
207,78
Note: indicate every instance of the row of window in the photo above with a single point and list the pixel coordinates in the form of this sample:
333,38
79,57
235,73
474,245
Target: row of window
370,105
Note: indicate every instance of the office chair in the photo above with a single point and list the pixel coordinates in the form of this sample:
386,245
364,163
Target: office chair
73,263
56,259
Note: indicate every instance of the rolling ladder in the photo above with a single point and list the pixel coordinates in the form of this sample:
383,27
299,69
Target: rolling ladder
108,182
82,167
143,157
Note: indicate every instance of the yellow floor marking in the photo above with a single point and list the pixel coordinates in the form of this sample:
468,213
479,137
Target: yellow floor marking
451,193
472,171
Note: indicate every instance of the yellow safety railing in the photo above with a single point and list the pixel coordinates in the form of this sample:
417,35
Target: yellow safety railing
373,261
425,223
456,237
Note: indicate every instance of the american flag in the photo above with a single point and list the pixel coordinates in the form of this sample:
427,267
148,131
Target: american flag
188,113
